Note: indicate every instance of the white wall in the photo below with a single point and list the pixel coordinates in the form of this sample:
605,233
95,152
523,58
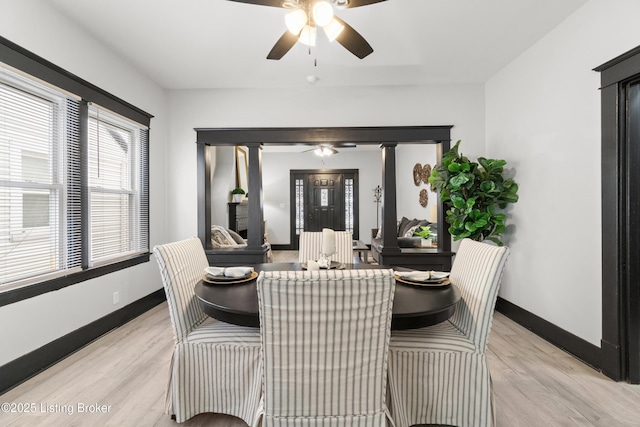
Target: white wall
275,170
543,116
29,324
315,106
408,193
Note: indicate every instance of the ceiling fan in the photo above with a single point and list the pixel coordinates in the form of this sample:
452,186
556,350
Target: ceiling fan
305,16
326,150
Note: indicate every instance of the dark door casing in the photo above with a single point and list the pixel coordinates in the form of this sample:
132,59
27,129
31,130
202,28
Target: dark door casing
620,113
324,192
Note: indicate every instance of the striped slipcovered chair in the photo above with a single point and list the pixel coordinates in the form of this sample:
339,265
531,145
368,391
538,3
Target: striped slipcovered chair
439,374
216,367
325,337
311,245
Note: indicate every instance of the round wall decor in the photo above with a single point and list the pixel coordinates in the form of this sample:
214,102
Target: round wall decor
424,198
426,173
417,174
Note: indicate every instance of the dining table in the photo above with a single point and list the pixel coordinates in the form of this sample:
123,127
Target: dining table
414,305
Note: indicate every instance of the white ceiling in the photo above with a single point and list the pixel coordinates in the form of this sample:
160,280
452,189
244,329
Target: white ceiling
197,44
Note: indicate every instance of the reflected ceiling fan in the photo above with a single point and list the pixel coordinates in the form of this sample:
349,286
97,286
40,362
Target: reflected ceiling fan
326,150
305,16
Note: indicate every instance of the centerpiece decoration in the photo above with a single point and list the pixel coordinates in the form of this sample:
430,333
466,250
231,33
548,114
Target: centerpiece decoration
328,247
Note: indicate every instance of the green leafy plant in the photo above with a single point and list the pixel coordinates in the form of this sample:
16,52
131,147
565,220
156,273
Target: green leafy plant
237,191
424,232
472,194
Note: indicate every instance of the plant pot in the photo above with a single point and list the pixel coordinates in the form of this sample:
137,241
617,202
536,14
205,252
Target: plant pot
237,198
426,243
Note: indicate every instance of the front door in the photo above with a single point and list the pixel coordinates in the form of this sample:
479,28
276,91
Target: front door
324,202
324,199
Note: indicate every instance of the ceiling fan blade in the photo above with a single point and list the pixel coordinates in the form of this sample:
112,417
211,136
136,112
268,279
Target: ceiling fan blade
283,45
273,3
358,3
353,41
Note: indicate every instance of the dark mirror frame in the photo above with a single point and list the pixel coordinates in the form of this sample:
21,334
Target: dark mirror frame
387,138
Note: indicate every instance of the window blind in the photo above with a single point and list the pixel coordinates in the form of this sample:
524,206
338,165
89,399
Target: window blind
116,187
48,236
33,121
49,161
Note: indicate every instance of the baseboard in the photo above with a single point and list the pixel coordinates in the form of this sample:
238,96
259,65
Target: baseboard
576,346
281,247
25,367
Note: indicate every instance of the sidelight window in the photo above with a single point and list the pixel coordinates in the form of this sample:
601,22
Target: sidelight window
299,196
348,204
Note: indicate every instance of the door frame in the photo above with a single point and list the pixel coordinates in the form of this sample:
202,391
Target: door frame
294,240
620,344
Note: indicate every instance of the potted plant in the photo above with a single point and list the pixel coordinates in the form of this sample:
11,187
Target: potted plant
425,233
237,194
472,194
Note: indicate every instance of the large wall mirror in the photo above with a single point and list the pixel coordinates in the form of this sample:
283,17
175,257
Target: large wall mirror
385,149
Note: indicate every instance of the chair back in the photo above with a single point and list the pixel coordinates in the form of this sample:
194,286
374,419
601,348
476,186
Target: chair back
182,265
311,245
477,271
325,339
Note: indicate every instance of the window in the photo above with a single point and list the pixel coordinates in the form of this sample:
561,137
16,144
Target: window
32,196
74,199
114,186
348,204
299,205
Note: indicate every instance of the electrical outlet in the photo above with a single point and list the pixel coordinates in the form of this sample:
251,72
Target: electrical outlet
116,297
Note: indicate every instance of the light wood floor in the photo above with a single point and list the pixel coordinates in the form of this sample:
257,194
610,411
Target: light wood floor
535,383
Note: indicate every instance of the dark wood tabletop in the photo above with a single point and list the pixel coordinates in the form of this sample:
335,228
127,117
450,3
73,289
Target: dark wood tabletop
413,306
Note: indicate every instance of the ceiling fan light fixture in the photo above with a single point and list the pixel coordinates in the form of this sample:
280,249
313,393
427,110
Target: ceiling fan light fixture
341,3
295,20
333,29
308,35
325,151
322,13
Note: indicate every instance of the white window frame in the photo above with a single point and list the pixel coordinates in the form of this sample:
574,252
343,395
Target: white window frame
56,187
131,190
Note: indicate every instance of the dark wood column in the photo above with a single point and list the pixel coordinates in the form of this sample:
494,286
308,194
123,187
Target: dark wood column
389,206
203,168
255,231
444,237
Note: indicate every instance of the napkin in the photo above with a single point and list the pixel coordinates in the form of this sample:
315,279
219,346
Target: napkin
417,276
228,271
237,271
214,271
421,276
439,274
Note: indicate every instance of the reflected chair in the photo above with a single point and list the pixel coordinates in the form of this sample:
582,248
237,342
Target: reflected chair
325,337
311,246
216,367
440,374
